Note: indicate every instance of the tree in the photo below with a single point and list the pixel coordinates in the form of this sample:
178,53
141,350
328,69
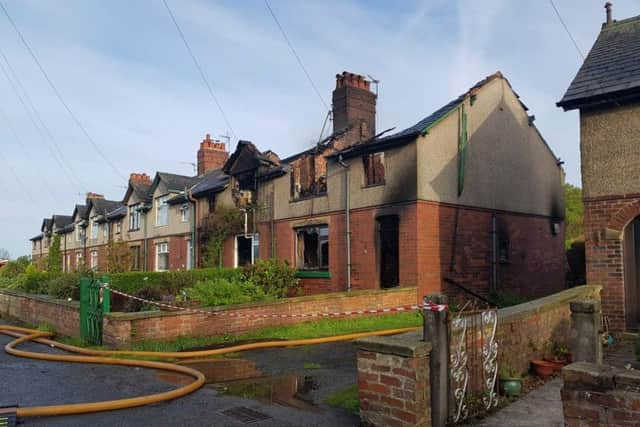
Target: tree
574,213
54,262
4,254
119,257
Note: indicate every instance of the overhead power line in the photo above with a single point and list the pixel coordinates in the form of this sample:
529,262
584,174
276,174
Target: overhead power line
42,129
566,29
59,95
295,54
199,68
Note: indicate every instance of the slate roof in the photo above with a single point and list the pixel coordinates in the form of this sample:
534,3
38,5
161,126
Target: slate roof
66,229
409,134
175,182
46,224
81,211
103,207
212,181
611,71
141,190
38,237
117,213
61,221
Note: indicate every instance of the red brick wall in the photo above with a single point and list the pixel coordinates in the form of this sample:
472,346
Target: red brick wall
122,328
599,395
604,223
64,316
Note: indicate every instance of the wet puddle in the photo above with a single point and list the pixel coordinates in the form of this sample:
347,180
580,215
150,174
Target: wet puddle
241,378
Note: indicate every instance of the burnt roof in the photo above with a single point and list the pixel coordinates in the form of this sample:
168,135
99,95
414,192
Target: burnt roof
409,134
212,181
611,71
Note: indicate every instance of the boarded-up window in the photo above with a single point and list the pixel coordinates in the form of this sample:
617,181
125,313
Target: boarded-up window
312,248
374,168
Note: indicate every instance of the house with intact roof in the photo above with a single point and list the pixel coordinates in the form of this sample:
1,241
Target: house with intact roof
606,91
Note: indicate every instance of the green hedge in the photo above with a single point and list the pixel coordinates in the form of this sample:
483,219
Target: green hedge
173,282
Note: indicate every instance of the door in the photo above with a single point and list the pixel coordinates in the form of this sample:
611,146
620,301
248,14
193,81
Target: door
631,253
244,246
389,251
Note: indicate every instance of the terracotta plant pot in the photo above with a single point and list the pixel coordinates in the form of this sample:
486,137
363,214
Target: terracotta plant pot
542,368
511,387
558,364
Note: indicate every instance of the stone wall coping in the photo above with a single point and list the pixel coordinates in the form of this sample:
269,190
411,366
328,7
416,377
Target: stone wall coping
409,344
550,302
42,298
599,377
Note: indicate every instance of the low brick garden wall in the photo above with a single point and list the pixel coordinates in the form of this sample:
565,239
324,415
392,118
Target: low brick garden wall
600,395
121,329
524,332
63,315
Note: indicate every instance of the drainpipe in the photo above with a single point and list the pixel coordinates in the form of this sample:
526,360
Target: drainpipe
348,222
494,255
193,226
146,249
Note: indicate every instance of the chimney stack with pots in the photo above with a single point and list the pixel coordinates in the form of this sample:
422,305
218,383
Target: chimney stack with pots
354,104
607,6
92,196
212,155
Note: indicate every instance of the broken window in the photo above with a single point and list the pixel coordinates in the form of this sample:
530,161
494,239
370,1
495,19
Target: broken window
312,248
308,177
374,168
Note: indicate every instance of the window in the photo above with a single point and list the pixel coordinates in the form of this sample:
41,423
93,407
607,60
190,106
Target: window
94,229
247,249
135,258
79,233
94,260
134,217
162,210
46,242
79,260
184,213
312,248
162,257
374,169
105,231
119,227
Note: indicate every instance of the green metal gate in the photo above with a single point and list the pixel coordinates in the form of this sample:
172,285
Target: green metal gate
94,302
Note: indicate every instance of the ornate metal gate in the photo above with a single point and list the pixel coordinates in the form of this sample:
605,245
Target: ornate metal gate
94,302
473,362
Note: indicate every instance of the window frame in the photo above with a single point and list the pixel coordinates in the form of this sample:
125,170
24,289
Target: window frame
134,217
185,211
368,161
93,260
162,207
159,246
255,247
323,265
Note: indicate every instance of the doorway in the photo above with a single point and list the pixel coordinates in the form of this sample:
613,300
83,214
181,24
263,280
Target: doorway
247,249
631,252
388,230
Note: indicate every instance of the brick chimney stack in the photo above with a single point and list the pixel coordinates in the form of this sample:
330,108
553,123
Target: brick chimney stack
607,6
139,178
92,196
354,104
212,155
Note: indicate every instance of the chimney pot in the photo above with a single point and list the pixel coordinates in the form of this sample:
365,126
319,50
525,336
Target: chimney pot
353,103
212,155
607,6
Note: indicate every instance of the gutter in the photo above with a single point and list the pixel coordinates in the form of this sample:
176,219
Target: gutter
348,221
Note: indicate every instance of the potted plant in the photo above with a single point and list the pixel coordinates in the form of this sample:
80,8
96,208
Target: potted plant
510,382
543,368
560,357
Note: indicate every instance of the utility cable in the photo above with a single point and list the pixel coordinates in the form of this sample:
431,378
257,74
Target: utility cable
295,54
566,29
199,68
48,137
59,95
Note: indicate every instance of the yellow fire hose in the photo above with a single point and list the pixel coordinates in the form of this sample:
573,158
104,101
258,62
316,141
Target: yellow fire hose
97,357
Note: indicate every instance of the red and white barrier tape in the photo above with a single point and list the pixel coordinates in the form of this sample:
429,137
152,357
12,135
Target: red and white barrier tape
427,305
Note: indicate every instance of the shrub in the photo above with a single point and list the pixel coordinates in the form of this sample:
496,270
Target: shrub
33,281
14,268
172,282
221,291
276,277
64,286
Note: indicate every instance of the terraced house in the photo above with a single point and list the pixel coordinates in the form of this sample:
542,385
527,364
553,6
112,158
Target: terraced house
467,200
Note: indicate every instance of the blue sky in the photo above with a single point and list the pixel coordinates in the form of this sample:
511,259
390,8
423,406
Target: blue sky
124,71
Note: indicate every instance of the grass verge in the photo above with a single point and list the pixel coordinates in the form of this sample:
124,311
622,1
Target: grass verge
346,399
318,329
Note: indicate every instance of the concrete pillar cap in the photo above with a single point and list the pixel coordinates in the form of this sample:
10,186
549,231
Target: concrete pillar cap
585,306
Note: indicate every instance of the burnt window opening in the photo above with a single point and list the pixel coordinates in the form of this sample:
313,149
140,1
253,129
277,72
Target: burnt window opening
312,248
308,178
374,169
504,248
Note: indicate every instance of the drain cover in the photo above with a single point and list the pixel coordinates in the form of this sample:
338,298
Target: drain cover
243,414
8,417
